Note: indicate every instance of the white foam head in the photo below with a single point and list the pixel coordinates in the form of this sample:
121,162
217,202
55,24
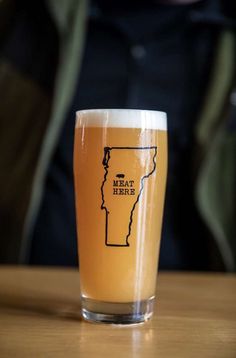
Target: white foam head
122,118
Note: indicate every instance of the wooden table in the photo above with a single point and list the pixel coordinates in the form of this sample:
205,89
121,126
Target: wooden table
39,317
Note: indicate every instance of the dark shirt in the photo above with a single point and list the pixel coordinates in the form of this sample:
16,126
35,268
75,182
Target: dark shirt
149,56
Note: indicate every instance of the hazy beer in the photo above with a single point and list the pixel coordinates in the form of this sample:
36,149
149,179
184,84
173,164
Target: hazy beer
120,164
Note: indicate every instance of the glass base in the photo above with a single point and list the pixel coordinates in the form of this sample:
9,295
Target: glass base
117,313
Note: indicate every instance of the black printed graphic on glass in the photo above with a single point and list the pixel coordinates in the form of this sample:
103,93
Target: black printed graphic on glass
122,187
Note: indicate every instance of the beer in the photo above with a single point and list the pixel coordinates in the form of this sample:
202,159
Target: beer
120,164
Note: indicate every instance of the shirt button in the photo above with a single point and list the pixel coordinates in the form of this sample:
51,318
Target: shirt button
138,52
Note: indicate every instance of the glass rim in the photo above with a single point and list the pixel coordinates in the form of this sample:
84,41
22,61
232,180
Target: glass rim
122,118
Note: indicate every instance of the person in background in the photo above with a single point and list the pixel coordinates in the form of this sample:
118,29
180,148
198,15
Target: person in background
175,56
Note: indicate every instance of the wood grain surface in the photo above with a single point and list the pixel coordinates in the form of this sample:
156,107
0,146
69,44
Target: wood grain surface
195,316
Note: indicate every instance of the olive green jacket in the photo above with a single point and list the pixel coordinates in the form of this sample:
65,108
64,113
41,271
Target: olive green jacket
216,174
216,181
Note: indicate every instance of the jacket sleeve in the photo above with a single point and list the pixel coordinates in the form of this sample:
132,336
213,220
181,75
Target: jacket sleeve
216,135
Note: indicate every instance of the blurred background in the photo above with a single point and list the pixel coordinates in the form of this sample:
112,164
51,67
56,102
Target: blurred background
177,56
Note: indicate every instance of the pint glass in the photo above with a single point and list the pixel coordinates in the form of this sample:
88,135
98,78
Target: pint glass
120,165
